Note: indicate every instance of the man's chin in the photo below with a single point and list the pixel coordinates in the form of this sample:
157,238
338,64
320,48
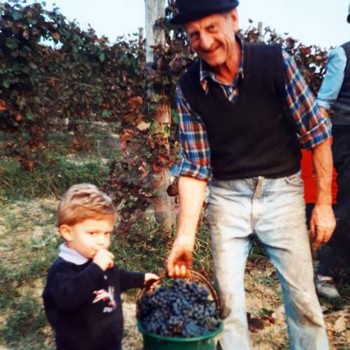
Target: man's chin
214,62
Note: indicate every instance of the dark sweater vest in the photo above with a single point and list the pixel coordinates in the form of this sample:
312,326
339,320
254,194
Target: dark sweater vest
255,135
341,107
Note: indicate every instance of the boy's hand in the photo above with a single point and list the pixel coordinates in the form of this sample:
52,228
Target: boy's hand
151,280
151,276
104,259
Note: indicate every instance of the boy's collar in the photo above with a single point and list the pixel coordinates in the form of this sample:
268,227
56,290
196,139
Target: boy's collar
71,255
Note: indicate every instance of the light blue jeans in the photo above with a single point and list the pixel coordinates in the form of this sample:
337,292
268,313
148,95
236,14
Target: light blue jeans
274,210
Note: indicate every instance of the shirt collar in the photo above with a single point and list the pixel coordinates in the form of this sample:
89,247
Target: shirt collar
71,255
205,73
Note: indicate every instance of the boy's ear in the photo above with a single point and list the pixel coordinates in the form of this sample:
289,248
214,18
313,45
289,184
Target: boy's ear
66,232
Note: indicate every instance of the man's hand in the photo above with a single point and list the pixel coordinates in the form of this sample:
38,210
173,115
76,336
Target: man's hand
322,225
322,222
191,195
181,257
104,259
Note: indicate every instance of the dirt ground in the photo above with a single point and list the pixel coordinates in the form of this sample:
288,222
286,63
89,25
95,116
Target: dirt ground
264,304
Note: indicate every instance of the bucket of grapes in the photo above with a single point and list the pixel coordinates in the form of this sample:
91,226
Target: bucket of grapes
179,314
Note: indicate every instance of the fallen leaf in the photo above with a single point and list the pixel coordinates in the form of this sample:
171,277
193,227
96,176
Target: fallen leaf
340,325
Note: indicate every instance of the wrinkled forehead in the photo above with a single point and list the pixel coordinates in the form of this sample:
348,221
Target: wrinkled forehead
217,20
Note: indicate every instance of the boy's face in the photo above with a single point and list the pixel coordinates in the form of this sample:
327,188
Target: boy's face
89,236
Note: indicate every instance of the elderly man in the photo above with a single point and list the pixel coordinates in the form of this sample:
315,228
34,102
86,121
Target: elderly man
245,112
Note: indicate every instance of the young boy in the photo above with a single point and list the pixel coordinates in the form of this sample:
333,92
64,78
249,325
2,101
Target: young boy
82,294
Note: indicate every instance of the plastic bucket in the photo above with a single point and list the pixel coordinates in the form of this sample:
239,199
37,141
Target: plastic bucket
153,341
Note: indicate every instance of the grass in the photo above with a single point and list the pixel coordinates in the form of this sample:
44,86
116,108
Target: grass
59,168
27,320
26,252
49,179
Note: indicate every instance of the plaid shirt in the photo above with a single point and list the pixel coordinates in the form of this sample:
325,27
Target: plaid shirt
311,127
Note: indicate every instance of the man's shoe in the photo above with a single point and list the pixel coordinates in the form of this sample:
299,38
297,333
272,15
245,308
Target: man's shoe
326,288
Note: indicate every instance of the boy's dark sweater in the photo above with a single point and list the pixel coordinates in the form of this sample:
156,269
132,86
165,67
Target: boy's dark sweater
79,306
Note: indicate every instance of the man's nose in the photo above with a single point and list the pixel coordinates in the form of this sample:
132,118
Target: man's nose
206,41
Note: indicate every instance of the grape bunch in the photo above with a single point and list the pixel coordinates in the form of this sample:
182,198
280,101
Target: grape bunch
180,309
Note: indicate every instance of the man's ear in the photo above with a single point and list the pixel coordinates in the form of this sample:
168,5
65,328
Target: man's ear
234,18
66,232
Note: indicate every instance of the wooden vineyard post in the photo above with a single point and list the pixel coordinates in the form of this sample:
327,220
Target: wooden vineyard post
155,37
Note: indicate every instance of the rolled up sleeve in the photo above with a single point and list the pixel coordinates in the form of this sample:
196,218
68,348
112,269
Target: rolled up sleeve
195,151
311,127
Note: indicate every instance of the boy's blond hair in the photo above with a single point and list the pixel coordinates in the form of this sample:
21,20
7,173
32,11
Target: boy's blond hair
82,202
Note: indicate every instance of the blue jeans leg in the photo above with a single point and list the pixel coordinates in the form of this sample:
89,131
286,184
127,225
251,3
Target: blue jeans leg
274,209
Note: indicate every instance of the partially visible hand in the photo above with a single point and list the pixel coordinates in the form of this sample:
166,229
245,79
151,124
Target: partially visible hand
322,225
151,276
180,257
104,259
151,280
